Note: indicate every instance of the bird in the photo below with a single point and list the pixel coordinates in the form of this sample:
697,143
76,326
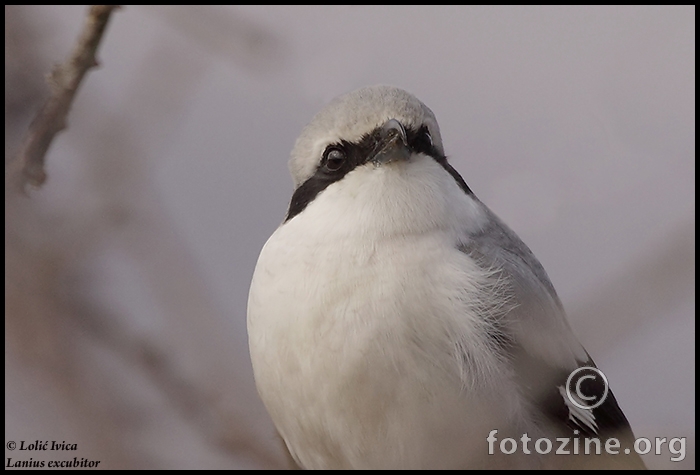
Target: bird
394,321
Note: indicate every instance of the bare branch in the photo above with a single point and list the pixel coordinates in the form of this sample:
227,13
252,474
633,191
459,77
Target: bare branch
64,81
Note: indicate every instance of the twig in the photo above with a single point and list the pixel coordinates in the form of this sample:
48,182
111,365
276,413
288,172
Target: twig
64,80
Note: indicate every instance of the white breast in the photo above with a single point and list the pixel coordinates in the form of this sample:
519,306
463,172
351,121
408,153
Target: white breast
357,316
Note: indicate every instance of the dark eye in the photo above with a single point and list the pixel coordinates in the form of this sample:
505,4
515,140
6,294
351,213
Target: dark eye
334,158
422,141
428,138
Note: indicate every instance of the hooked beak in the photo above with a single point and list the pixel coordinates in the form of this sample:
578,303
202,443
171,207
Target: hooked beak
392,144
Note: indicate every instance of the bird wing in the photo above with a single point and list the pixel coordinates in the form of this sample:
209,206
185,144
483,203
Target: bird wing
537,341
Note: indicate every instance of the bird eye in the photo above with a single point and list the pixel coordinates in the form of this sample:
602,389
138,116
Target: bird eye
426,133
334,158
422,141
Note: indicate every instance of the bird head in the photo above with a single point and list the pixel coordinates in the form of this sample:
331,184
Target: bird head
376,153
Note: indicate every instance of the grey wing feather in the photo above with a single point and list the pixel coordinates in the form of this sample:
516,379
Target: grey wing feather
538,341
537,321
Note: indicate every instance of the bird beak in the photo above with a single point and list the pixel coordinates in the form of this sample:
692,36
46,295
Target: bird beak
392,144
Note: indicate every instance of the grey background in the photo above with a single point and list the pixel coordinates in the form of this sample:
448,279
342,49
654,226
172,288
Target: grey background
127,273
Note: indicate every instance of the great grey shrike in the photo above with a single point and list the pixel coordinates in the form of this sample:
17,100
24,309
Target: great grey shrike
395,322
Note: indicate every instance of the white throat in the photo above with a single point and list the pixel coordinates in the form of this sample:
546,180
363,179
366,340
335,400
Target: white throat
399,198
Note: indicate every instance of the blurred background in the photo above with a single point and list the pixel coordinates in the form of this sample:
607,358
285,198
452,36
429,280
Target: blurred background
127,273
